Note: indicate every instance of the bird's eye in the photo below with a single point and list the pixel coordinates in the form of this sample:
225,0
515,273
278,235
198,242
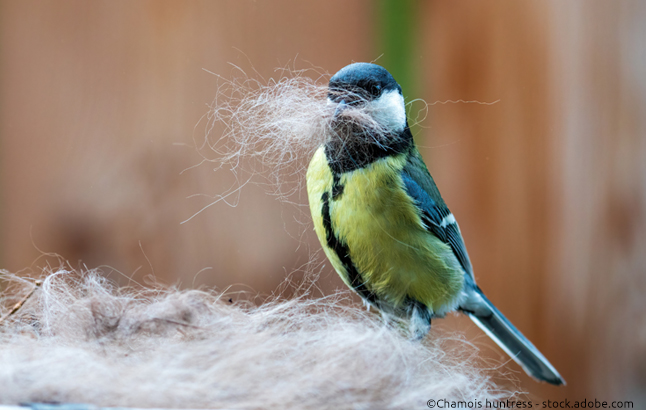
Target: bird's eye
372,88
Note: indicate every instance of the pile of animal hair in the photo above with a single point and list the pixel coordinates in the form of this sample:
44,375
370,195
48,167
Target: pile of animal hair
79,338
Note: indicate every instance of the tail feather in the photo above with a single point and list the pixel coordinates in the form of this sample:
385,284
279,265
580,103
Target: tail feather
496,326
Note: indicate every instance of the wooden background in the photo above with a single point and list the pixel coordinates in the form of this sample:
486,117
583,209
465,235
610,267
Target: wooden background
100,103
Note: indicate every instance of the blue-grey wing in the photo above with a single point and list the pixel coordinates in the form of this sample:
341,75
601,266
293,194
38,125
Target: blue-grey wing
436,216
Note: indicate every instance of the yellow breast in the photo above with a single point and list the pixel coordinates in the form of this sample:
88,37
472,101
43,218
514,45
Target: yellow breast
381,227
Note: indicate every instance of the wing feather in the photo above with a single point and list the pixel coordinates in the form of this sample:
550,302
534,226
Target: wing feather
435,214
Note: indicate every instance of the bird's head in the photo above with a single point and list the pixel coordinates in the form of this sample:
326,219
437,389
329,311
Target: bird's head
373,91
369,117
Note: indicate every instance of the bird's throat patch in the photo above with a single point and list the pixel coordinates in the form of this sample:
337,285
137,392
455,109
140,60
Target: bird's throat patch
359,151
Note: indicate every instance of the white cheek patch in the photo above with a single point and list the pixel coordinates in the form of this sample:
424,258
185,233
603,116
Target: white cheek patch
389,110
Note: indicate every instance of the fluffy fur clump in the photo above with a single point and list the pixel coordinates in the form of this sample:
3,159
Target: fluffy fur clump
280,122
78,338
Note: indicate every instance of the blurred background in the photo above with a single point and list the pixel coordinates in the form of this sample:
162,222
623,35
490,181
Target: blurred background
101,105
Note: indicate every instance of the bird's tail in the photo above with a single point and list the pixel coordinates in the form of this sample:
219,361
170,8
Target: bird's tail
496,326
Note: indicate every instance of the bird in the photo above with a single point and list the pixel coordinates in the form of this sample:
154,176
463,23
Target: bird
383,224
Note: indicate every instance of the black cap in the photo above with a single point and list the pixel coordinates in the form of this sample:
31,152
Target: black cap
361,80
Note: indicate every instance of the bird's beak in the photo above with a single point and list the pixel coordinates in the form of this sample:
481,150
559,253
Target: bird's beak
339,108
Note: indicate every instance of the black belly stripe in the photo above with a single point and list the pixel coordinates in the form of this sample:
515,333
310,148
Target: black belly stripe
337,188
343,254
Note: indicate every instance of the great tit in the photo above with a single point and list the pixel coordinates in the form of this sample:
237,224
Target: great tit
384,225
